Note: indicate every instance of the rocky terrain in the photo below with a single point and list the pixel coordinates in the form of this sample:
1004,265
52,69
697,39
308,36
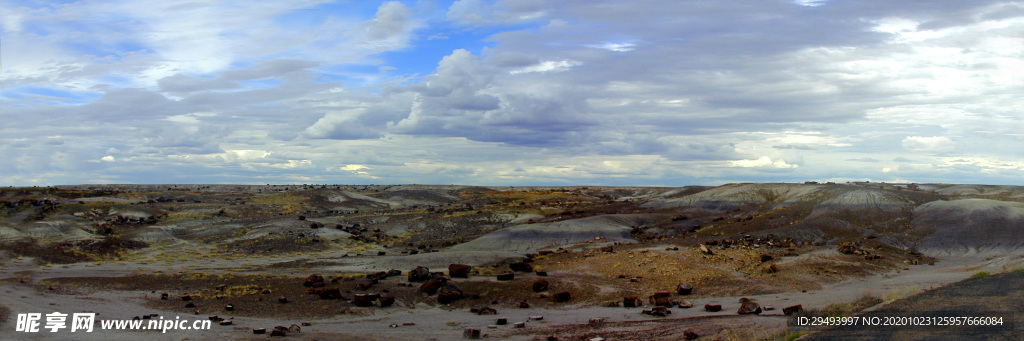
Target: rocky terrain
415,262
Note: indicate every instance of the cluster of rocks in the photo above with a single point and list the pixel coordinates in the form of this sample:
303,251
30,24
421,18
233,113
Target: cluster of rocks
475,333
280,330
852,248
317,286
748,241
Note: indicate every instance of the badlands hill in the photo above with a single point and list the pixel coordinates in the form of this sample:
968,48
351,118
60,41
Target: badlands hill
115,248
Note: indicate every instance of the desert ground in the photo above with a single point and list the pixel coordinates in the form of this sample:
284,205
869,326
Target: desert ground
444,262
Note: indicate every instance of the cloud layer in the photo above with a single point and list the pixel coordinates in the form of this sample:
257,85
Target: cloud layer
511,92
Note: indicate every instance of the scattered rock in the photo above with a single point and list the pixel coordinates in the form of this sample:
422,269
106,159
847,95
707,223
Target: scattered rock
449,293
790,310
689,334
459,270
419,274
663,301
684,289
540,285
748,307
364,300
386,300
713,307
632,302
508,276
365,284
658,311
705,250
562,297
431,286
471,333
313,281
521,267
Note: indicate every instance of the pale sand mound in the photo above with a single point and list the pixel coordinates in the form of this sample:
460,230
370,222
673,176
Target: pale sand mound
731,196
436,261
970,226
54,230
532,237
995,191
862,200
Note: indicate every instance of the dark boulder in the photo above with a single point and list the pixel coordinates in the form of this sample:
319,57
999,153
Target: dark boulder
430,286
312,281
419,274
449,293
748,307
364,300
563,296
790,310
663,301
332,293
521,267
508,276
365,284
540,285
684,289
386,300
459,270
713,307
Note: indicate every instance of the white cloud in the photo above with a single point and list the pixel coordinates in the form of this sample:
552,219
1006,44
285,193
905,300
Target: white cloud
548,66
762,162
556,92
929,144
617,47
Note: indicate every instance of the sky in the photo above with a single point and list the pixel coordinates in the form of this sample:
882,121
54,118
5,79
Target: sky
511,92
